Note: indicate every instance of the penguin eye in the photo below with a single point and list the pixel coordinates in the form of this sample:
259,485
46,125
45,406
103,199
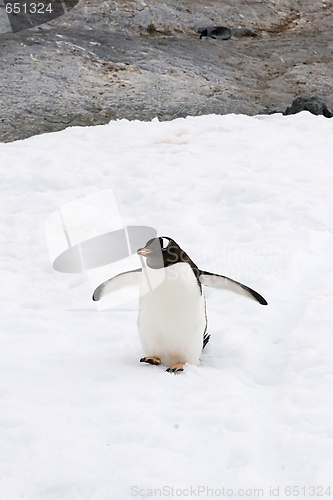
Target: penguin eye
165,243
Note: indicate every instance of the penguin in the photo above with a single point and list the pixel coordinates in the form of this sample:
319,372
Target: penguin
172,319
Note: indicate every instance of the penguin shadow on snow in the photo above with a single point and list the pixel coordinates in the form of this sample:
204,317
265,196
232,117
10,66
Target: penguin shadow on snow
172,319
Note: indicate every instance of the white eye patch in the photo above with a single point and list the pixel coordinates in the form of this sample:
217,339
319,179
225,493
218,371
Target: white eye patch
165,243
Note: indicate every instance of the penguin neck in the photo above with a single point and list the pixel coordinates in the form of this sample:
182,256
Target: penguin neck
182,271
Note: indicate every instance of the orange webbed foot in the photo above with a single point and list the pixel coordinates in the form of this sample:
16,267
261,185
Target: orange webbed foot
152,360
178,367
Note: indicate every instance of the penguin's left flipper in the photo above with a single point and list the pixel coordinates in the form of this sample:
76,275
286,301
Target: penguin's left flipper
224,283
119,282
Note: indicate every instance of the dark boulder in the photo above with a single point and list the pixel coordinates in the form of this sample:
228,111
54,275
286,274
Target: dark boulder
315,105
223,33
216,32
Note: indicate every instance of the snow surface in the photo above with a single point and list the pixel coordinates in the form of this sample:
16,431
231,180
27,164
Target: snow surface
81,418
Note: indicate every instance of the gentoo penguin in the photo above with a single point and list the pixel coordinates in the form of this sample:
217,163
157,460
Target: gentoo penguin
172,321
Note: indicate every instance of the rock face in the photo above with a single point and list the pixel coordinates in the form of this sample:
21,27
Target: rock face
138,60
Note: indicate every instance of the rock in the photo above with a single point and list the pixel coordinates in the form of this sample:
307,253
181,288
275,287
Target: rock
223,33
269,112
314,104
240,32
143,19
216,32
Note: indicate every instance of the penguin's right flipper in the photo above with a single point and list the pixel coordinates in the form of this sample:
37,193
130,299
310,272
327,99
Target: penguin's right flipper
223,283
122,281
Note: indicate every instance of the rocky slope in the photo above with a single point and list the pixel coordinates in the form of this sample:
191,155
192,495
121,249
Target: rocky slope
138,60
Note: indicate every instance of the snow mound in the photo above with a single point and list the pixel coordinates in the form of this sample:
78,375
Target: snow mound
246,197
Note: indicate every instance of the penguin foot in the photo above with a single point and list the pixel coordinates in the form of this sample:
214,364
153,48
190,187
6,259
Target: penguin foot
151,360
178,367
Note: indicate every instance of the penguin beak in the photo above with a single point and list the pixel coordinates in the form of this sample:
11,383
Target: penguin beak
143,251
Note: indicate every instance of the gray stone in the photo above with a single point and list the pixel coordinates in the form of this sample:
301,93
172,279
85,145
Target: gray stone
314,105
143,19
216,32
223,33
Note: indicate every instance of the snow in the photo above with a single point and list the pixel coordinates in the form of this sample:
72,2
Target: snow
81,418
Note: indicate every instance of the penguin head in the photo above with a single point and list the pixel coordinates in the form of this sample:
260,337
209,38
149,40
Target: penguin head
162,252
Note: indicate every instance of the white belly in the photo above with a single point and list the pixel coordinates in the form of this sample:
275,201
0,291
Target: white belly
172,317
